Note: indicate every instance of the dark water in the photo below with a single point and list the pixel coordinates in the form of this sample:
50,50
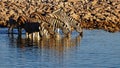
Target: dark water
96,49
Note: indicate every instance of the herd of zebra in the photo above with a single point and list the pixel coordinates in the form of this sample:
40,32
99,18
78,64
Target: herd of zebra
39,25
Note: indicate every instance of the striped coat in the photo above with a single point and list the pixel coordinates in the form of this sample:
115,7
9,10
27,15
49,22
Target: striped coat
60,14
54,22
32,25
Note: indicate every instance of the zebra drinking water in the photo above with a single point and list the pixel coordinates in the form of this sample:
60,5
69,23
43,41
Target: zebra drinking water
55,22
75,25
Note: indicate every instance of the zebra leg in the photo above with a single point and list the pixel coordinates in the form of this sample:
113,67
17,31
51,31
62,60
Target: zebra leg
19,31
27,36
36,36
40,33
31,36
10,30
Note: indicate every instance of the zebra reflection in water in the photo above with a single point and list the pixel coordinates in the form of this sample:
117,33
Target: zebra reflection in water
55,44
50,48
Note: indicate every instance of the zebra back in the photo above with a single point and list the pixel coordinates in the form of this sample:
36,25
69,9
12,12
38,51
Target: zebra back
21,20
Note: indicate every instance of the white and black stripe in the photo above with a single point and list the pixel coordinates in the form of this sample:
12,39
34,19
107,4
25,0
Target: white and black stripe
32,25
54,22
60,14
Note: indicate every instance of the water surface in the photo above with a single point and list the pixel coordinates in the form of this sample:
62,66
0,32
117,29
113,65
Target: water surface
96,49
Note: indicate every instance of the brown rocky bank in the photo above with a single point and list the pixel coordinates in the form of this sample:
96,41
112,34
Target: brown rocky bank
92,14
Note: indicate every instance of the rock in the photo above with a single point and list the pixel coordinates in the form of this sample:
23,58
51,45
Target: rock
75,16
93,14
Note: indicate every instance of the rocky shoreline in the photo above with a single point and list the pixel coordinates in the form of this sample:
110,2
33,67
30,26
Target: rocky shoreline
92,14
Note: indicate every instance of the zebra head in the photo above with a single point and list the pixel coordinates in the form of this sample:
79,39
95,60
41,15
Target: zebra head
78,28
66,28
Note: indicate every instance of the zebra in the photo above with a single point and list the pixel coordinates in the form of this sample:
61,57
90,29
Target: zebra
75,25
32,25
54,22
